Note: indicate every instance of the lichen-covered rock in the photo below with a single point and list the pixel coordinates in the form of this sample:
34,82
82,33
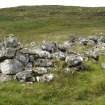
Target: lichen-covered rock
93,54
65,46
25,76
83,41
28,67
59,55
11,42
40,70
43,54
9,47
24,51
44,63
49,46
23,58
94,39
74,60
4,77
101,39
31,58
11,66
6,53
45,78
10,52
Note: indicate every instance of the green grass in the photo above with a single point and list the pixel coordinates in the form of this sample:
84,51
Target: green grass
81,88
56,23
51,22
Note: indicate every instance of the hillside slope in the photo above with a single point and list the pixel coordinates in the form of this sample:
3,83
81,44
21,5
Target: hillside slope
55,23
51,22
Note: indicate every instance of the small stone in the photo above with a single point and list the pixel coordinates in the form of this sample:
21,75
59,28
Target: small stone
40,70
45,78
69,70
74,60
25,76
4,77
44,63
49,46
11,42
59,55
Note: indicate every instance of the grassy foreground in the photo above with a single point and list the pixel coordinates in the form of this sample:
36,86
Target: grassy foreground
80,88
55,23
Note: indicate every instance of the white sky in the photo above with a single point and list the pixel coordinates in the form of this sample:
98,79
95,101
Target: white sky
89,3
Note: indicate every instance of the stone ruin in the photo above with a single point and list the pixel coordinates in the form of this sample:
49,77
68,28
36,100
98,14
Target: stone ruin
35,63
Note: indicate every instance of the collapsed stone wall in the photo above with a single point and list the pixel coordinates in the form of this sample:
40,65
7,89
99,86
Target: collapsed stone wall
35,63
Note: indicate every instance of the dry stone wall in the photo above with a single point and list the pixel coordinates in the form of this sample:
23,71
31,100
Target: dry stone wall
35,63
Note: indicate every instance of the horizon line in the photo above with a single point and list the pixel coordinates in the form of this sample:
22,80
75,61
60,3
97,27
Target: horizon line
51,5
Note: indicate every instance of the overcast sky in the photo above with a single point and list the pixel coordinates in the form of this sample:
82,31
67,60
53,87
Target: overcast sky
89,3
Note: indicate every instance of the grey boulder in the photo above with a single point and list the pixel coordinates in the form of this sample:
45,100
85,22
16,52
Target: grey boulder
11,66
45,78
23,58
11,42
74,60
4,77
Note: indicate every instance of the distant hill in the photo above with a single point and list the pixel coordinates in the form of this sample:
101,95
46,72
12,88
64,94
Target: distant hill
51,22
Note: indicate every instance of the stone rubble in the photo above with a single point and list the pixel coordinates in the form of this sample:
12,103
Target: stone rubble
35,63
